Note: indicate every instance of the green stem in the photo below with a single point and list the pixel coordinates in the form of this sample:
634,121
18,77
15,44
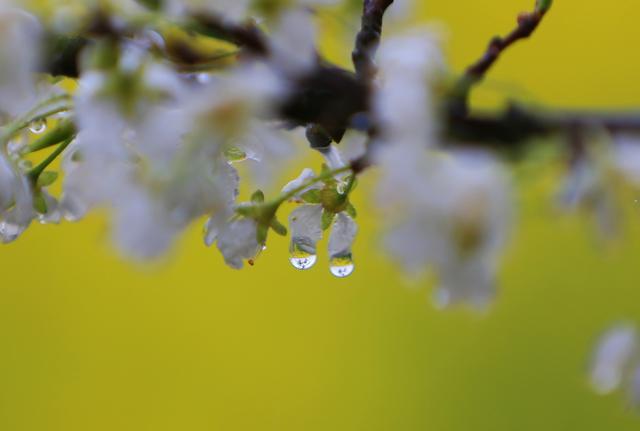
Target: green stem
321,177
65,130
34,173
11,129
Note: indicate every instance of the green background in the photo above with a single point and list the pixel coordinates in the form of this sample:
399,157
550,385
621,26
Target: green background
90,342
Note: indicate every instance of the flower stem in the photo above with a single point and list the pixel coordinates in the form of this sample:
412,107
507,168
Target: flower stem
35,114
35,173
326,175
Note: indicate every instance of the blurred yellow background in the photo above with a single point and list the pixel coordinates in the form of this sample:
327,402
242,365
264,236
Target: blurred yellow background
90,342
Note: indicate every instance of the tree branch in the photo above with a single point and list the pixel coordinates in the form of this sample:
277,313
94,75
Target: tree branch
528,22
368,38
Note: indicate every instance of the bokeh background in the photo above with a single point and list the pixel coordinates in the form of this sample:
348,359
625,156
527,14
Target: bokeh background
91,342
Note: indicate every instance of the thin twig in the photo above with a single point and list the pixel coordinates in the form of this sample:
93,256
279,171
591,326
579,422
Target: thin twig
528,22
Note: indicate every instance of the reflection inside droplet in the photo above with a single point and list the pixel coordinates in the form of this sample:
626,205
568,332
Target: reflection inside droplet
302,253
303,262
341,266
9,232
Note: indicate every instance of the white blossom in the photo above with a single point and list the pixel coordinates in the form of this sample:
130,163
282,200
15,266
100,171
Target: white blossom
230,9
293,44
16,202
19,54
237,241
612,358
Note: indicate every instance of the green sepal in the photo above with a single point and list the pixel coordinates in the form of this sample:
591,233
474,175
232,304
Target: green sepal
312,196
246,210
327,219
351,210
47,178
278,227
39,203
332,200
257,197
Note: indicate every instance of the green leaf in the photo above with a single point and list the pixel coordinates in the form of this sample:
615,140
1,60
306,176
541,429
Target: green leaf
257,197
351,210
327,219
39,204
278,227
47,178
312,196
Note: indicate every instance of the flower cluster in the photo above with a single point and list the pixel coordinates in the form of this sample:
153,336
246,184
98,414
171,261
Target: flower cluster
151,106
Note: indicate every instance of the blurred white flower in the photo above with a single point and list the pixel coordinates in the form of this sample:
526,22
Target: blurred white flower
403,104
16,202
19,53
230,9
612,358
449,212
293,44
626,157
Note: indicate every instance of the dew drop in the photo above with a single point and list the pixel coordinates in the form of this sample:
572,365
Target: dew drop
340,188
15,147
38,126
341,266
9,232
303,261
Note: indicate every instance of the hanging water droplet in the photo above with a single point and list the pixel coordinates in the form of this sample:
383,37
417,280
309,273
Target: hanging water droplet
341,266
302,253
340,188
9,232
303,261
38,126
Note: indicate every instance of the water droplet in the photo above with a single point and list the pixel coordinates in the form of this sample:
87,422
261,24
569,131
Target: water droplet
303,261
341,266
340,188
15,147
9,232
38,126
302,253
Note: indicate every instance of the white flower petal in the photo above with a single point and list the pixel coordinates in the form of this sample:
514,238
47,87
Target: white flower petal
306,176
237,242
611,358
342,235
305,224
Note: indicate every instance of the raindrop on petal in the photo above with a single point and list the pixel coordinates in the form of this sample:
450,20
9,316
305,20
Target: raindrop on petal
341,266
9,232
38,126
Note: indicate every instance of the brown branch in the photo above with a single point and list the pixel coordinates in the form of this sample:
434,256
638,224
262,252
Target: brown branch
368,38
247,35
528,22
